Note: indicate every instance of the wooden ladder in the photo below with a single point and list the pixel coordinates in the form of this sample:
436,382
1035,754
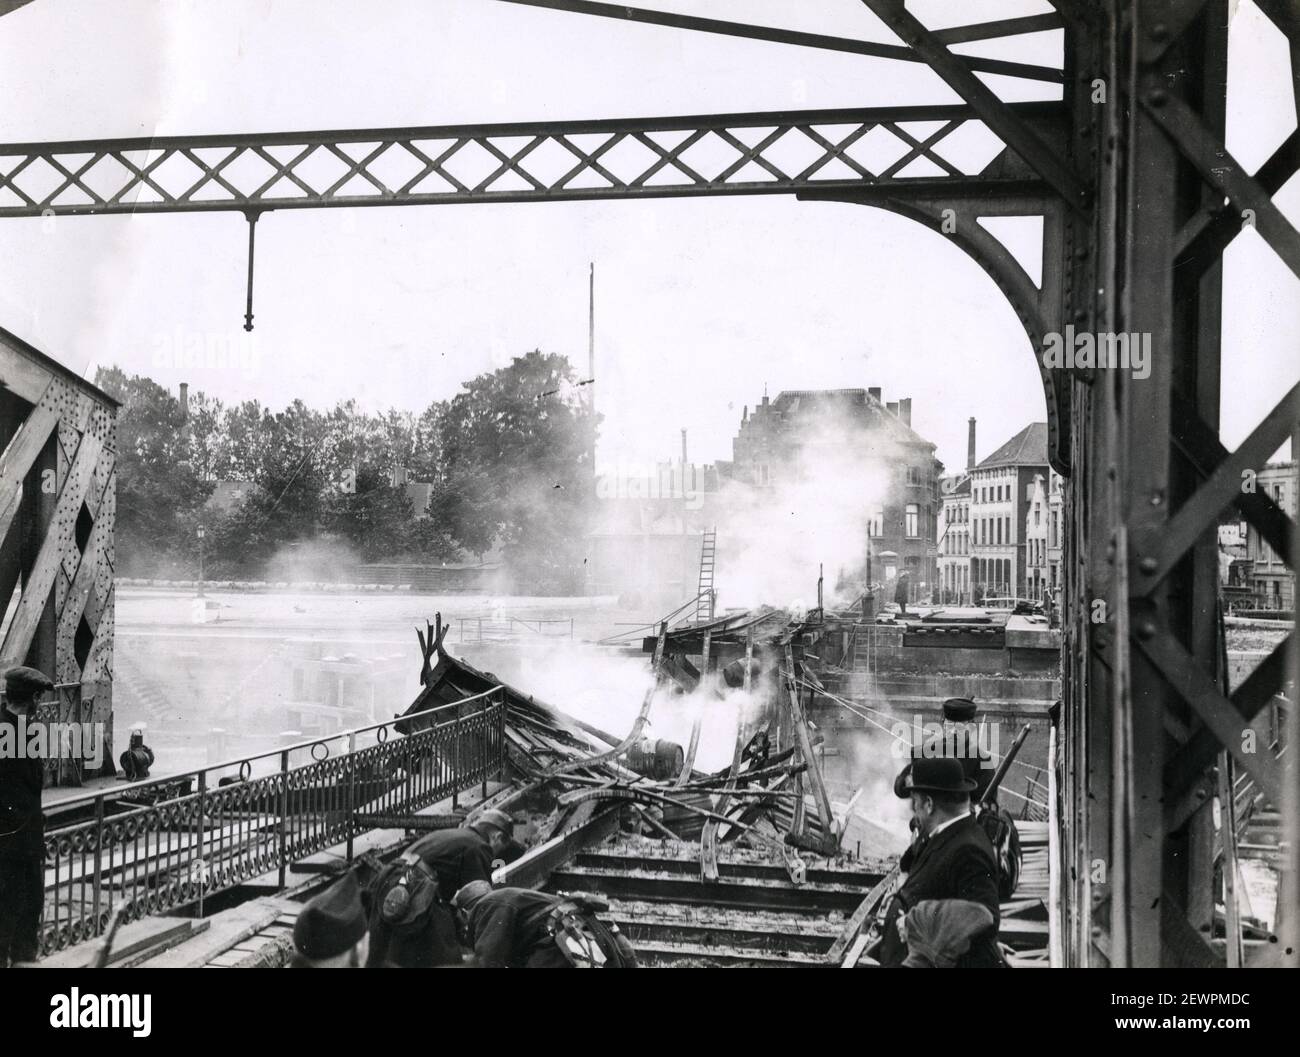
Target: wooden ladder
708,557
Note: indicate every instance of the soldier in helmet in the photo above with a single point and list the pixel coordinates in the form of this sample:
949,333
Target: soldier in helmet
411,923
22,826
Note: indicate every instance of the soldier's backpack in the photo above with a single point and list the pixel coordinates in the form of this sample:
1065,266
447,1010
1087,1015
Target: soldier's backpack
585,941
1000,828
406,893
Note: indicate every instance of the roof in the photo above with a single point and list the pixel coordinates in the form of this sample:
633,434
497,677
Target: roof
54,366
1026,448
797,401
961,488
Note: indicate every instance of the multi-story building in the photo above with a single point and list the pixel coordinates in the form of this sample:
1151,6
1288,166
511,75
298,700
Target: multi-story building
785,439
1055,537
1001,487
954,532
1037,525
1272,583
954,545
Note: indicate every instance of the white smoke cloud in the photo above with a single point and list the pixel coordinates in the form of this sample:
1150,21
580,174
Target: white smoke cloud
772,539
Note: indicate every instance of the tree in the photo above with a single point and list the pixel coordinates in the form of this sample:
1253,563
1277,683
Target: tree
159,488
515,450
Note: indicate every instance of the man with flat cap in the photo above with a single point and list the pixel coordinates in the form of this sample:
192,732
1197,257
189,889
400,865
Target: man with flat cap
330,932
411,922
22,826
951,859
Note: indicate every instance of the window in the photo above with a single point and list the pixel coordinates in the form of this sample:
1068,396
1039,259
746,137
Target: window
876,523
911,521
999,530
913,475
1037,514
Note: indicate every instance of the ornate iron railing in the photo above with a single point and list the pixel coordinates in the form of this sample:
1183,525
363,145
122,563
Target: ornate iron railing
177,841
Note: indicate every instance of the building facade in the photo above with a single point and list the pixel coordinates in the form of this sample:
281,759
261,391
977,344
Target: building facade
1001,488
1272,583
954,544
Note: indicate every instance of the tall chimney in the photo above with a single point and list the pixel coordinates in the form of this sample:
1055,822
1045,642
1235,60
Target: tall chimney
970,446
185,401
905,410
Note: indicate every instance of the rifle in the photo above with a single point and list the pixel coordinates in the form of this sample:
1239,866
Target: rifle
991,793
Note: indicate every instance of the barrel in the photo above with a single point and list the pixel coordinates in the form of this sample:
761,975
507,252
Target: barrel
733,674
656,758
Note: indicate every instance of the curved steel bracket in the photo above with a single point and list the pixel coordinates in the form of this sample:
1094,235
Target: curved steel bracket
1040,309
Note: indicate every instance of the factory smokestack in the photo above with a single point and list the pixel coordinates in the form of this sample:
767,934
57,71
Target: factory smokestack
970,447
185,401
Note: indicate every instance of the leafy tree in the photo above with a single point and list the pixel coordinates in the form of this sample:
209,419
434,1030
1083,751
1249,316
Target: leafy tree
515,449
158,485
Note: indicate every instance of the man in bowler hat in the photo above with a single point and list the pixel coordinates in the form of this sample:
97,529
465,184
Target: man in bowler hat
22,826
951,859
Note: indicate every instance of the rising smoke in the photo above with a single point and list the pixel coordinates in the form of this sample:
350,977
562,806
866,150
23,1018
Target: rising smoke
827,483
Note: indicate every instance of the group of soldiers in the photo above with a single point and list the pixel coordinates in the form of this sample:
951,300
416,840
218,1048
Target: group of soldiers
436,906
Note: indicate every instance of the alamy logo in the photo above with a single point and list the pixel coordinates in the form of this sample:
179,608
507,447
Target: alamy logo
1126,352
932,740
76,1010
22,740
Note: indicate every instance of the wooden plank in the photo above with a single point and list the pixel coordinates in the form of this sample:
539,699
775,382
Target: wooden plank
21,374
688,763
22,451
535,867
855,952
814,772
134,941
41,579
859,916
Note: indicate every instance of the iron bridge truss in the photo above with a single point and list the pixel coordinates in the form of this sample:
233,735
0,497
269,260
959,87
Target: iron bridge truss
1138,199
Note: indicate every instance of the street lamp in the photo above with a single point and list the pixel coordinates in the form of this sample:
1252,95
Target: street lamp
201,533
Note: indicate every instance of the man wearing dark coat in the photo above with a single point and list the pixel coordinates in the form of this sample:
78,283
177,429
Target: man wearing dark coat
22,826
900,593
507,928
959,714
951,859
412,925
515,928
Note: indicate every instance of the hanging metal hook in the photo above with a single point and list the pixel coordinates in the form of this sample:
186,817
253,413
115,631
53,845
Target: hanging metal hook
251,215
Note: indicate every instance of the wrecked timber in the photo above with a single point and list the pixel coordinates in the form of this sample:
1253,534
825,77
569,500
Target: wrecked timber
742,866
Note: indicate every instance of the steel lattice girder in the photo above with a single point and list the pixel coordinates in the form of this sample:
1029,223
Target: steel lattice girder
1160,683
762,153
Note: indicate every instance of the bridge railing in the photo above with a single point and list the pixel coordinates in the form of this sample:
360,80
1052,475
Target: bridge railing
180,840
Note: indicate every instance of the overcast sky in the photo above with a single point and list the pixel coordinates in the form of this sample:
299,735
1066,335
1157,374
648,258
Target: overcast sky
699,303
